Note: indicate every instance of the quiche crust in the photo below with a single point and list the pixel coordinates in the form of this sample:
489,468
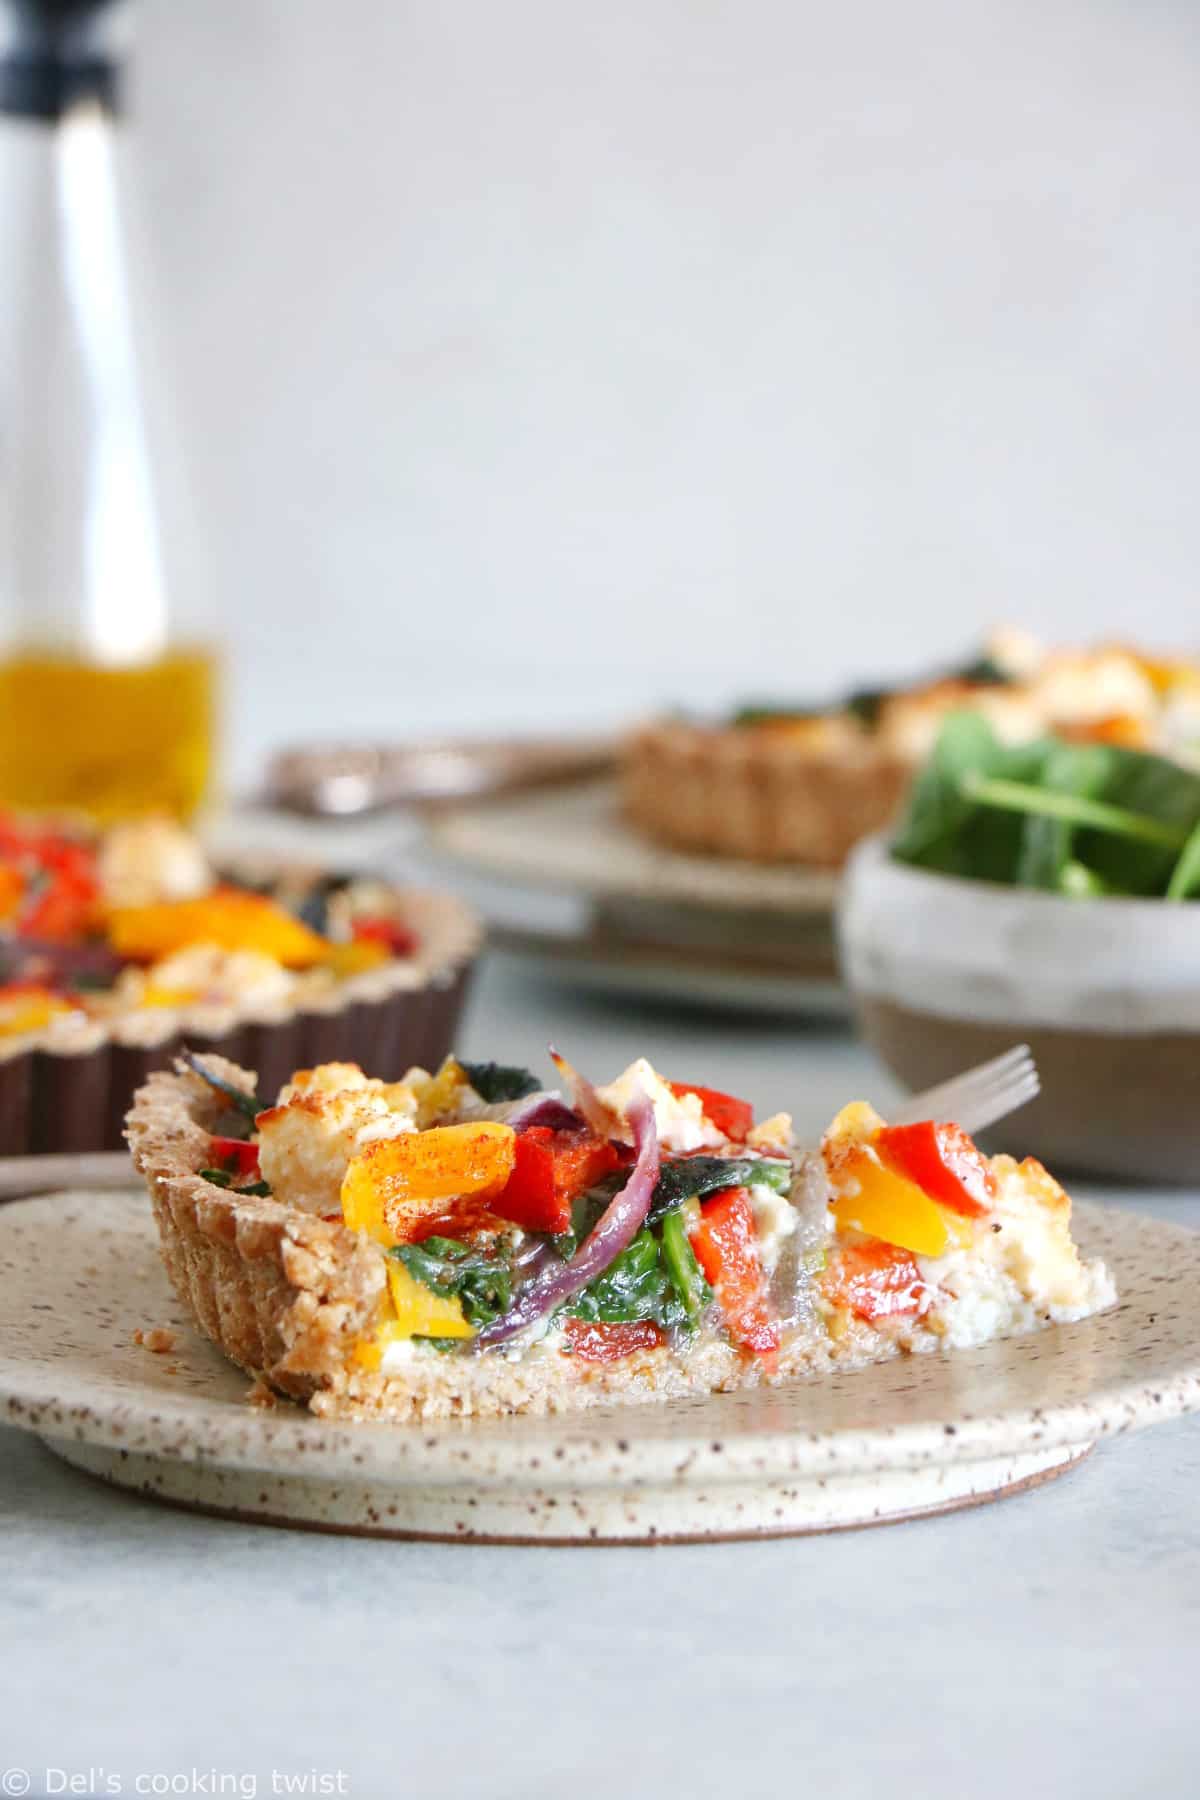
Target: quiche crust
767,796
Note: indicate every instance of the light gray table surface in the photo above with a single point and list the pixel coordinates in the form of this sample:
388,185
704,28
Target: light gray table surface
1049,1644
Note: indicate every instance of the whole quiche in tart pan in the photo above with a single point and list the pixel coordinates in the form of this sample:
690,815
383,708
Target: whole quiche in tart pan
116,949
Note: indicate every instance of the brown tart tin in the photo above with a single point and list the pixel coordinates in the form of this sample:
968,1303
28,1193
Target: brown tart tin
73,1098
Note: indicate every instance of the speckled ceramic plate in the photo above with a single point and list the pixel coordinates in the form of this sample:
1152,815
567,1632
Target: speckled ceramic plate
651,972
79,1272
574,837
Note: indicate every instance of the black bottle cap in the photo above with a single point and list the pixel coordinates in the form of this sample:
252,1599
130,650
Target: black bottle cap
55,58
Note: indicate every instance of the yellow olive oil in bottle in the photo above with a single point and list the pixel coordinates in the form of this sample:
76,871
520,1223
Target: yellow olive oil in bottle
106,676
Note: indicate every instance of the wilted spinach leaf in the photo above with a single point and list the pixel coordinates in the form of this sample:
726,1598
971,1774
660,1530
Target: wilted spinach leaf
634,1286
983,671
938,807
223,1178
494,1082
1080,819
1156,791
249,1105
481,1280
691,1177
755,712
866,704
1185,877
1046,843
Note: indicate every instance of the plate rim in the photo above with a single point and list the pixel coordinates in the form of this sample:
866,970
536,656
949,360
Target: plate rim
603,1445
665,873
784,993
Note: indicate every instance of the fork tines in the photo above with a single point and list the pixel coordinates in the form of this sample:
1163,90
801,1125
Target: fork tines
980,1096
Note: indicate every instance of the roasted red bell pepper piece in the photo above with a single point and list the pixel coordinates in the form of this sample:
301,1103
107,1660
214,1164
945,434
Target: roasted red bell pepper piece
58,914
236,1157
552,1168
61,889
14,839
72,862
394,937
725,1239
734,1117
596,1341
876,1281
943,1161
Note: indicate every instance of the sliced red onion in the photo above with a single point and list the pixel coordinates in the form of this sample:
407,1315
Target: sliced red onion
546,1107
59,965
545,1110
604,1120
615,1229
534,1255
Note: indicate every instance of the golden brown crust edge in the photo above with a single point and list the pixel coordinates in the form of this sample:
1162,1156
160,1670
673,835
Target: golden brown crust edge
283,1294
286,1295
757,795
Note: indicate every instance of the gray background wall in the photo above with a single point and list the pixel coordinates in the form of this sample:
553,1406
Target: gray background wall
543,360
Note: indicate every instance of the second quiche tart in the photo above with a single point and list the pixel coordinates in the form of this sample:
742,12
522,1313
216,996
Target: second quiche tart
788,783
117,948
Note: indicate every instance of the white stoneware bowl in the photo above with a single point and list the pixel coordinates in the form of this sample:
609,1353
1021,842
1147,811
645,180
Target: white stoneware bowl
944,972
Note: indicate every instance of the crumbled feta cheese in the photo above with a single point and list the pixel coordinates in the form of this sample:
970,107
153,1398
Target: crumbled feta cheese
775,1218
1021,1265
326,1116
682,1126
147,860
773,1135
203,974
1074,689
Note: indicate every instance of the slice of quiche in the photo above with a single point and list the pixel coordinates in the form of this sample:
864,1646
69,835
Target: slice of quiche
469,1242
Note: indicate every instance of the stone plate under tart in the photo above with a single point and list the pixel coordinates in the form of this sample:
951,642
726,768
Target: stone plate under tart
168,1416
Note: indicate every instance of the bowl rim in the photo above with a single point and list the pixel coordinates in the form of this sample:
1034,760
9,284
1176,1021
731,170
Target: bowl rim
1001,954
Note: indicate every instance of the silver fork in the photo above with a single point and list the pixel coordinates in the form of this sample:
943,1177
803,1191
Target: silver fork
978,1097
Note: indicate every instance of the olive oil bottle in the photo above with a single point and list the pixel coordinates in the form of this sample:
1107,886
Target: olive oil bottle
106,675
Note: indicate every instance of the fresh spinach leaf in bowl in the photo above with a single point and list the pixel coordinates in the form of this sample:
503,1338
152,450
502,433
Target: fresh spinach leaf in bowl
1079,819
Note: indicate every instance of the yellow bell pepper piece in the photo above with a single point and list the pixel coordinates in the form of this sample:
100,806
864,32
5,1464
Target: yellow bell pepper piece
393,1184
1163,673
419,1312
12,891
889,1206
29,1010
155,995
368,1352
230,918
437,1093
356,958
422,1313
